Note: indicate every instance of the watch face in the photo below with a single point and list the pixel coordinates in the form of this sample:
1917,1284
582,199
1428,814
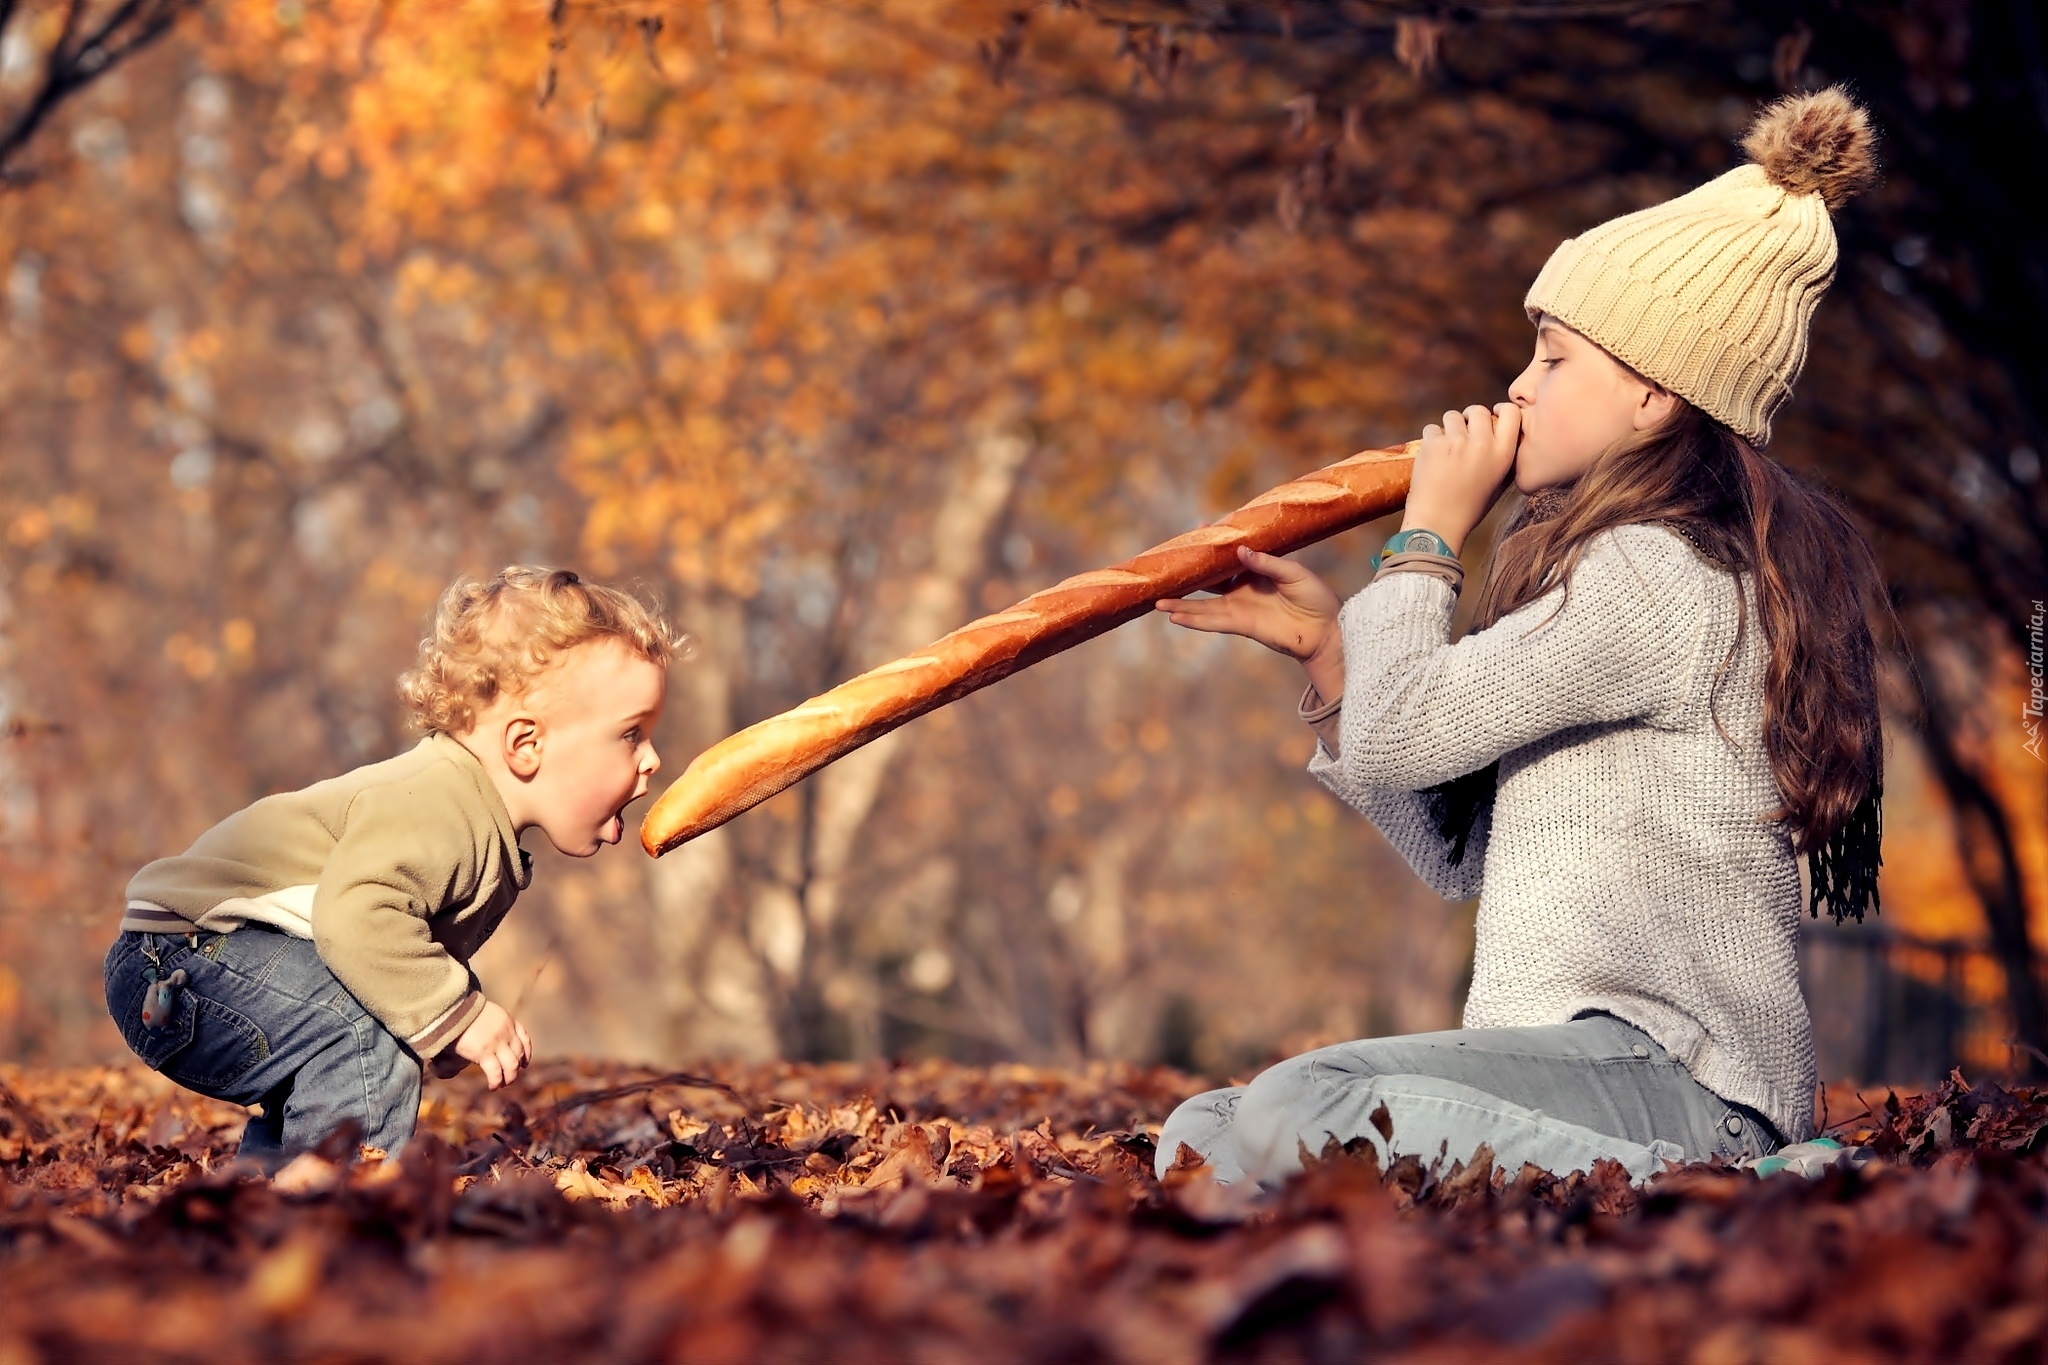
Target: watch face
1413,542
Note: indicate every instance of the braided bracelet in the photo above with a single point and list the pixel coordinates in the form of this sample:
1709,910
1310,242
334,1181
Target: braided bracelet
1444,567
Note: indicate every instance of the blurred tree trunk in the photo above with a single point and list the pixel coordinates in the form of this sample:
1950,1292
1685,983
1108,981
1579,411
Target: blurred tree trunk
1990,857
846,791
688,886
802,904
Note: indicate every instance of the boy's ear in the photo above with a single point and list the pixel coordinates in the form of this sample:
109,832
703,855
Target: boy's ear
522,746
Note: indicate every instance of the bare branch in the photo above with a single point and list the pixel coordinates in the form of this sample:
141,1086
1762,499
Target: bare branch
82,53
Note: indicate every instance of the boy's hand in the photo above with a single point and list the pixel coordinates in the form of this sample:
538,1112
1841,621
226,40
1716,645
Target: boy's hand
1279,604
496,1042
1462,468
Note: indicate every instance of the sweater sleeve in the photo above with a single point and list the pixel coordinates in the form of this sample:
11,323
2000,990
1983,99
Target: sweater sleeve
400,860
1403,817
1622,645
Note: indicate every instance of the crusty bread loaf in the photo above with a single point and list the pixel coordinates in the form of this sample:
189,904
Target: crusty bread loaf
747,768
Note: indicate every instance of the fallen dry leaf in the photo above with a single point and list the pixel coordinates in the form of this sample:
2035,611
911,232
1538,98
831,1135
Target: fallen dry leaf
942,1212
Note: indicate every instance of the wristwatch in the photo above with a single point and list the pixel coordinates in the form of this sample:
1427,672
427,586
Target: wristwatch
1417,541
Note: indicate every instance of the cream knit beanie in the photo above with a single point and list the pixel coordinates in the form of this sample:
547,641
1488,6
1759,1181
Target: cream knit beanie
1710,294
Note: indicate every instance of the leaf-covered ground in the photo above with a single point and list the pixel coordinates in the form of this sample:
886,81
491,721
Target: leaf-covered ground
939,1213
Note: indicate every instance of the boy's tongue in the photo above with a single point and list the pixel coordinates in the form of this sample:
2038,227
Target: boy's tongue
612,830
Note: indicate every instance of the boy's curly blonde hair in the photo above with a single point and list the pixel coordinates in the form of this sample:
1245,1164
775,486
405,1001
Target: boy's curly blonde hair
496,637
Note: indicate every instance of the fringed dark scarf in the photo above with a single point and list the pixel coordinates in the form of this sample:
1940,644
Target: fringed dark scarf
1842,872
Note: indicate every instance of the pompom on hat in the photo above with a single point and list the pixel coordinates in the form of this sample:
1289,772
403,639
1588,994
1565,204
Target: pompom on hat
1710,294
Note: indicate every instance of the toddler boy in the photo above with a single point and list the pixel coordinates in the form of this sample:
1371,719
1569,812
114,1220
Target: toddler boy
309,952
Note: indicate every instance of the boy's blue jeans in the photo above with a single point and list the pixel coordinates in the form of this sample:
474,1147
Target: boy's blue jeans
1558,1097
261,1020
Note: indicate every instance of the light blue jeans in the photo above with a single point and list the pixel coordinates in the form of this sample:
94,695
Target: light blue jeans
261,1020
1557,1097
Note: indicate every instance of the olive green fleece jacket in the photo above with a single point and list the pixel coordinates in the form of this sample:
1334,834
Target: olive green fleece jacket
398,872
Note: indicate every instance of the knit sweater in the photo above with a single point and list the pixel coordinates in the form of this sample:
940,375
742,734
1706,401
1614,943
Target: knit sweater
1628,864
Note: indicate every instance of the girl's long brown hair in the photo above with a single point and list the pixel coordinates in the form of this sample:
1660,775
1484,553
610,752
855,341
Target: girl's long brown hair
1812,573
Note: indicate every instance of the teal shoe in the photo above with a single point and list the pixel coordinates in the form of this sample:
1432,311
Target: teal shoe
1810,1159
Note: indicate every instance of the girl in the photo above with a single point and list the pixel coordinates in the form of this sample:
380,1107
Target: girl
1669,695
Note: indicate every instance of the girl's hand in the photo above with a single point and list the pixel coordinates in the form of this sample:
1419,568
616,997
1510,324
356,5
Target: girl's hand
1463,466
1279,604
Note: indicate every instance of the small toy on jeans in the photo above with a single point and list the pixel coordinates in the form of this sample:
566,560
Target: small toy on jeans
159,997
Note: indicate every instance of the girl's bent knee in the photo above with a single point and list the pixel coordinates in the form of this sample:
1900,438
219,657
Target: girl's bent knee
1203,1124
1270,1117
1282,1083
1305,1103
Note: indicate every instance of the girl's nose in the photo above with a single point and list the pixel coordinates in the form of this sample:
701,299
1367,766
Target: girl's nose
652,763
1522,392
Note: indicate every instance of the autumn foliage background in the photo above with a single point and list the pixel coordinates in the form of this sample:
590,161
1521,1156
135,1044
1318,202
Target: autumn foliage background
836,323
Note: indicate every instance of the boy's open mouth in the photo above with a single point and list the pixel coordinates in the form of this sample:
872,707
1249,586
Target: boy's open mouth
614,829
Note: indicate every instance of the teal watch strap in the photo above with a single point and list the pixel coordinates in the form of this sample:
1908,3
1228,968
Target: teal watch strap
1417,541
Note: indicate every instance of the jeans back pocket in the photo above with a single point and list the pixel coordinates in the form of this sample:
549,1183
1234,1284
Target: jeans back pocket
130,970
225,1046
155,1046
205,1045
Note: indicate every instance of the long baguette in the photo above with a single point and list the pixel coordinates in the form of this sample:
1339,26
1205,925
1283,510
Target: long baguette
747,768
